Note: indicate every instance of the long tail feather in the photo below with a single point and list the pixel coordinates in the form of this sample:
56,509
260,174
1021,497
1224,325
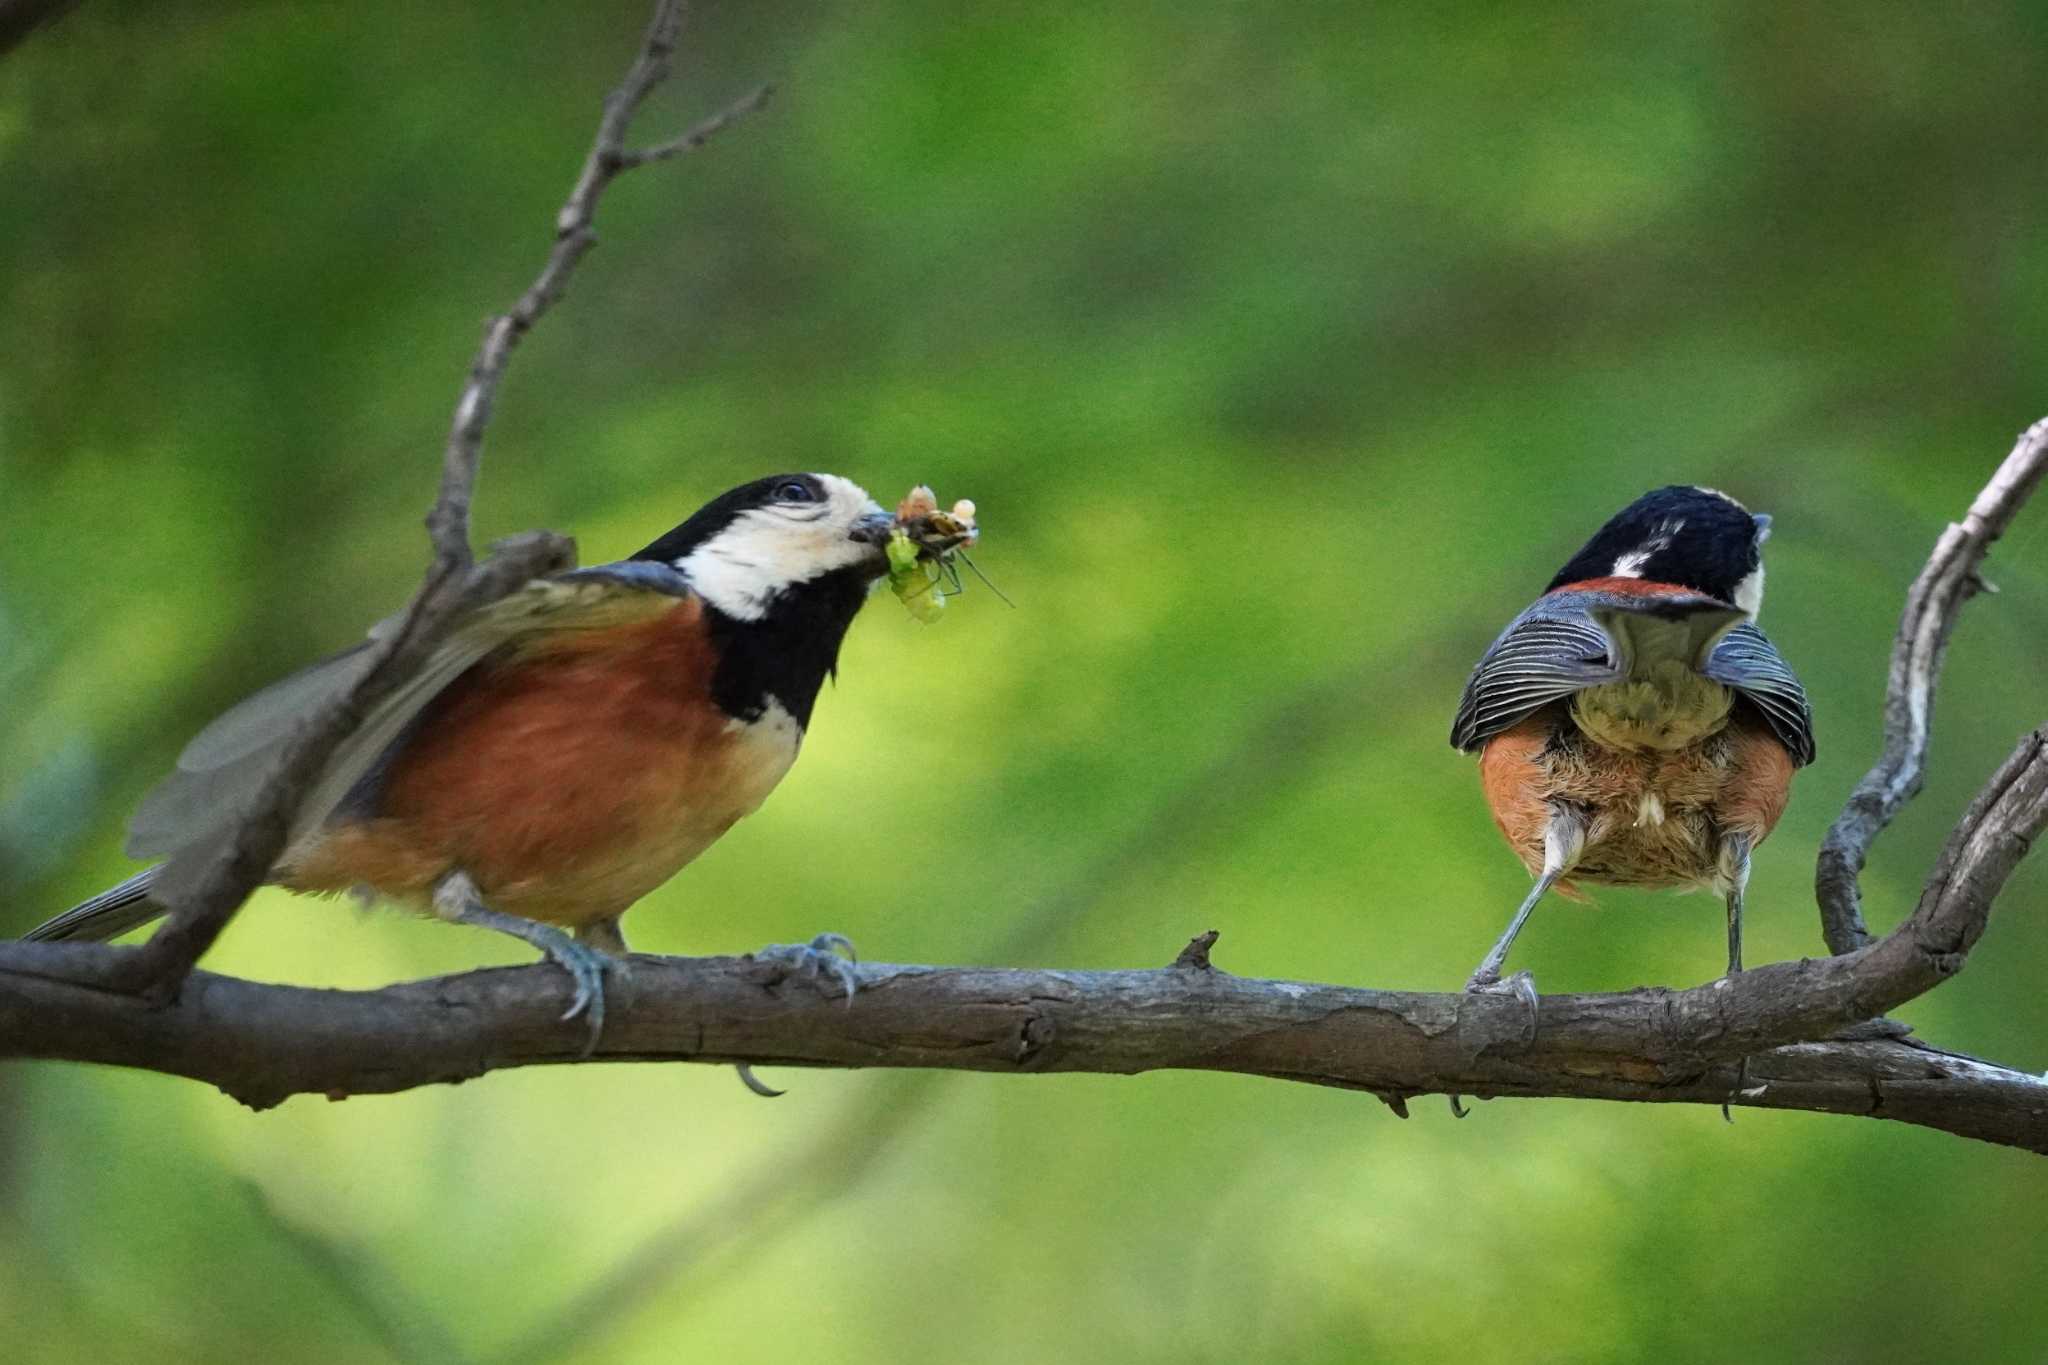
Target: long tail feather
110,914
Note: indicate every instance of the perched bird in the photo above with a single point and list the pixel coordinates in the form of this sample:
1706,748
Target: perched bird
563,753
1633,726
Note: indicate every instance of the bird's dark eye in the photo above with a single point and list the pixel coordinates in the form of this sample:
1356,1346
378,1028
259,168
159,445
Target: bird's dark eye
795,490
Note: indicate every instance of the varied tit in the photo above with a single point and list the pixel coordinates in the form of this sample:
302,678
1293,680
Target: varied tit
562,754
1633,726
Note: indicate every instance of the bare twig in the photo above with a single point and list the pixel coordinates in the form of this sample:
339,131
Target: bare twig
699,135
575,234
1932,606
203,886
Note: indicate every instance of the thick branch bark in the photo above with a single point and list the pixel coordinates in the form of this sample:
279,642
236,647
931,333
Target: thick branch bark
262,1043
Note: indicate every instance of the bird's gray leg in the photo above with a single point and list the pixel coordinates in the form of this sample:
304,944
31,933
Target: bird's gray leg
605,935
456,900
1735,868
1564,839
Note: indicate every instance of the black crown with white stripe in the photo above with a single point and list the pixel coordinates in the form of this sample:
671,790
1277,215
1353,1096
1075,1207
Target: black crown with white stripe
1695,537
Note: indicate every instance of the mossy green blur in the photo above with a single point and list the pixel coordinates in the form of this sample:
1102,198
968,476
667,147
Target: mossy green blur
1287,352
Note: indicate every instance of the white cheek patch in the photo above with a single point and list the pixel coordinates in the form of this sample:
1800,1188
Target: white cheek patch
768,550
1749,593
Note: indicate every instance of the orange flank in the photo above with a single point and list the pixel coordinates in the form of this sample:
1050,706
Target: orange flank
1759,782
1512,776
568,779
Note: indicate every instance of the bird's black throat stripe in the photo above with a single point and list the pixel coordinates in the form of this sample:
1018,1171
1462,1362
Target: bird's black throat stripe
786,655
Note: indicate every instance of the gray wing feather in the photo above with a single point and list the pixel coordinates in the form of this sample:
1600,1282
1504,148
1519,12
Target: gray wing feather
1547,653
225,766
1748,662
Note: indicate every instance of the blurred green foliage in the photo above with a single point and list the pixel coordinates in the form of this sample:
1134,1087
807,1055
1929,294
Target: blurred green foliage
1287,352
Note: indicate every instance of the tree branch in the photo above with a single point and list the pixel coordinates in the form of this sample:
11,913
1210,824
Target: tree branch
263,1043
1932,606
205,885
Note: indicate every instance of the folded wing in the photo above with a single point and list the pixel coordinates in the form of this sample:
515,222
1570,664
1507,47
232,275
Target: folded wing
190,818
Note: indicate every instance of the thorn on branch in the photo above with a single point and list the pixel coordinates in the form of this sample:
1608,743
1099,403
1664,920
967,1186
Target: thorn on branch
1195,957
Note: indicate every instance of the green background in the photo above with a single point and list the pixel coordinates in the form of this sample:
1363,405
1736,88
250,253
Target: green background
1287,352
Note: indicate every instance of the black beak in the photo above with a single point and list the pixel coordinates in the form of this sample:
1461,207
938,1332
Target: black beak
872,529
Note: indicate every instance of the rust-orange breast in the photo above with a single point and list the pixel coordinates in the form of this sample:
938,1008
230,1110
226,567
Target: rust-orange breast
1652,819
568,779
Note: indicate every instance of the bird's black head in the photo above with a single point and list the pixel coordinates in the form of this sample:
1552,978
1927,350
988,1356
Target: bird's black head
1694,537
764,540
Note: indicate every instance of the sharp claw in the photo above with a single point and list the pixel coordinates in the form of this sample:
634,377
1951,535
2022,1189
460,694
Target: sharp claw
755,1083
1524,986
1458,1109
586,967
1741,1087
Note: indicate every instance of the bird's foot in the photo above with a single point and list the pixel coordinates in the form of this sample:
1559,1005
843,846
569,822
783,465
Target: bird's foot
456,899
586,966
1521,986
827,955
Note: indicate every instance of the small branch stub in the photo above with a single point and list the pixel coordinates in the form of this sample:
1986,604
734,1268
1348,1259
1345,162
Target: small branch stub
1195,957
